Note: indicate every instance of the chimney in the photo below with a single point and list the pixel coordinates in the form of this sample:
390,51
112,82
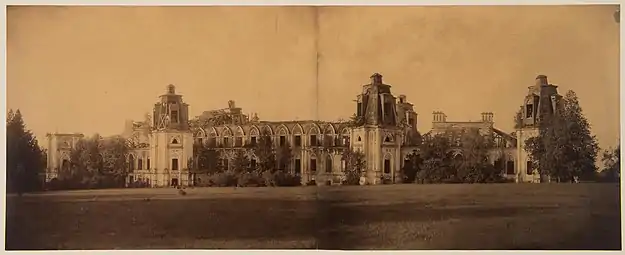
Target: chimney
487,117
171,89
439,116
541,80
402,98
376,78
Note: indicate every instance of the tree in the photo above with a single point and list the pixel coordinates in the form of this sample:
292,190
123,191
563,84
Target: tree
411,167
25,161
284,156
206,159
436,163
265,153
475,166
240,162
354,166
612,164
564,149
115,168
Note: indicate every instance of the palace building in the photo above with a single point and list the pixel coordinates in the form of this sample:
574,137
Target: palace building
383,130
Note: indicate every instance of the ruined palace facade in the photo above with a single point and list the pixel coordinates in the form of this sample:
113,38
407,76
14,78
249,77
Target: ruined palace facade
162,144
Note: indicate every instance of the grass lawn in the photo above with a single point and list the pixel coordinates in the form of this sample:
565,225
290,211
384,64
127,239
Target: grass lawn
410,216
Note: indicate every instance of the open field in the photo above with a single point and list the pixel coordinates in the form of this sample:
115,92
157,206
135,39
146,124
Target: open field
463,216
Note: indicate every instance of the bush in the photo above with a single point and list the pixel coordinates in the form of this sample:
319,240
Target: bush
224,179
249,180
286,179
138,184
269,179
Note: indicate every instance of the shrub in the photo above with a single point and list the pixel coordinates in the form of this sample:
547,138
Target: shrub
286,179
249,180
269,179
224,179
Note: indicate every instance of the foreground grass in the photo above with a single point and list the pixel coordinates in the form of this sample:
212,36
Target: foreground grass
497,216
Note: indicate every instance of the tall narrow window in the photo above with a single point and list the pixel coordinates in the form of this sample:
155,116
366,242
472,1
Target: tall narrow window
298,166
174,164
238,142
388,111
387,166
226,142
313,140
328,164
313,165
529,110
282,141
253,142
174,116
131,162
253,164
298,141
359,109
147,164
510,167
530,167
140,164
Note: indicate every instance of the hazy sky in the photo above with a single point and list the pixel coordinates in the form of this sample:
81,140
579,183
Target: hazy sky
88,69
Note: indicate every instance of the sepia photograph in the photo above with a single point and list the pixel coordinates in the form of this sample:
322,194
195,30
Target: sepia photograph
313,127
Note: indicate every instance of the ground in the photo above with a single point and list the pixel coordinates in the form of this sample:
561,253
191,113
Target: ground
409,216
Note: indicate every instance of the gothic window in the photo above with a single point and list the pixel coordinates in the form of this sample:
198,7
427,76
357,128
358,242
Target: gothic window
174,141
253,141
282,141
359,139
328,164
140,164
238,142
510,167
359,109
313,140
226,142
298,141
147,164
387,166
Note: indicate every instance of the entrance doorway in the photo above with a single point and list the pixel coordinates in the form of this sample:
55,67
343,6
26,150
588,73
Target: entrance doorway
174,182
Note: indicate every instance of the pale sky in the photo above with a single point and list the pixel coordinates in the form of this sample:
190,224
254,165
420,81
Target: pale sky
88,69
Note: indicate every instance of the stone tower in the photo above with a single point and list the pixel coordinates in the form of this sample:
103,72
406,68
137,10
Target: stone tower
541,101
171,140
378,135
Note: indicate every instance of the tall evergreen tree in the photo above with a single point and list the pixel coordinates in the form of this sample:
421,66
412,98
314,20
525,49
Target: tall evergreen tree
25,160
